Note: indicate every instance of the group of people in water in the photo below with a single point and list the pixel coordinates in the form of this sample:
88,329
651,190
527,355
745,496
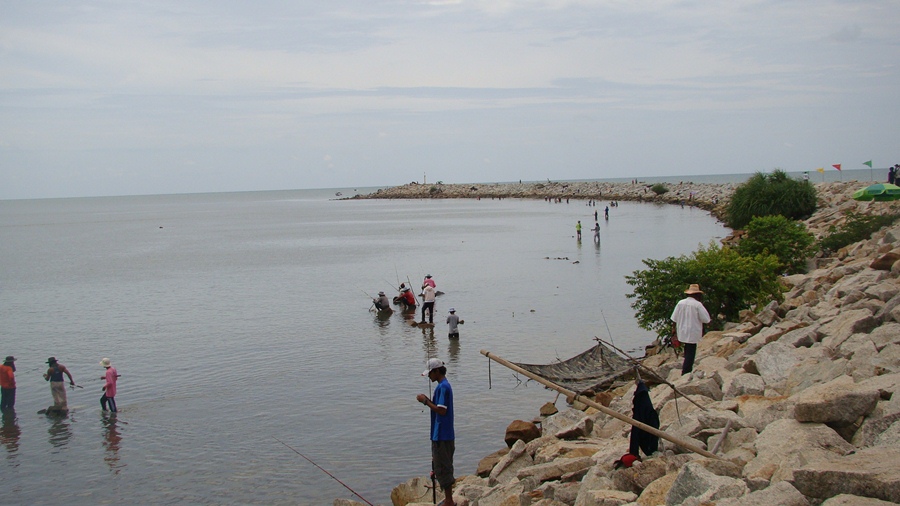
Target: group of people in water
56,374
408,300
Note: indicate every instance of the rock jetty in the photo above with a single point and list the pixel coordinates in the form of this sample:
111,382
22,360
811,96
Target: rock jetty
797,401
709,196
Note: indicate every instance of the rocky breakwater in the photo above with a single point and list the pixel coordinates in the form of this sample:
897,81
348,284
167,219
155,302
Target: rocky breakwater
797,400
710,196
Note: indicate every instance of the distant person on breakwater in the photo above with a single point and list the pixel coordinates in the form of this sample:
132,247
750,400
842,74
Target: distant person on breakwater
688,319
443,438
578,229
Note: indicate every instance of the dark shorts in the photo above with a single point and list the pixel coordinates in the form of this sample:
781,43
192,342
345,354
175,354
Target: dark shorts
442,458
454,335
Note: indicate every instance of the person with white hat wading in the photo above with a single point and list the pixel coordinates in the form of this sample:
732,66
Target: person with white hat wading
454,322
688,319
109,388
443,438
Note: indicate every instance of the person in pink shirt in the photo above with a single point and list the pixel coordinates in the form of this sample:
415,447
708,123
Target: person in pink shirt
428,281
109,389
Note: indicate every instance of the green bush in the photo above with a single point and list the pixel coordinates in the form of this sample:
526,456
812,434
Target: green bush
769,195
857,228
659,189
776,235
731,282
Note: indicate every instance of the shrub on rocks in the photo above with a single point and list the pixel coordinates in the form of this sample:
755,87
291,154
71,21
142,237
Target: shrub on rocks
769,195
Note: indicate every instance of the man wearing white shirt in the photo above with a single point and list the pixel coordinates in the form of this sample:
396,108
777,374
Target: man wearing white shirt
688,317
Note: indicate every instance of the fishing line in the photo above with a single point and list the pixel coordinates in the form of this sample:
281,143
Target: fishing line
607,327
324,471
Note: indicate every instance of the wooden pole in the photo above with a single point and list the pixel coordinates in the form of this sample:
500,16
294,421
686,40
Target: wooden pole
651,371
601,407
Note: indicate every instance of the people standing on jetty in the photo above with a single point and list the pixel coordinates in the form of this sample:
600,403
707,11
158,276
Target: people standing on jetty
454,322
428,303
429,281
8,383
892,174
688,319
382,303
578,229
57,384
443,438
109,388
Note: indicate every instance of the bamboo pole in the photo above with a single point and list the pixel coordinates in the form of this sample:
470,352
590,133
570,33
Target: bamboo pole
601,407
651,371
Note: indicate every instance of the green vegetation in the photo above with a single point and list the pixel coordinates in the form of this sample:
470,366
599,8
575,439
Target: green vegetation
769,195
857,228
433,190
659,189
731,282
776,235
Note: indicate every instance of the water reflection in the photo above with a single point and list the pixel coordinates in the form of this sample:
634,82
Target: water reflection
10,432
111,441
453,350
60,430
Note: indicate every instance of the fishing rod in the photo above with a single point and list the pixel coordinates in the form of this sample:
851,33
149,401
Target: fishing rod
323,470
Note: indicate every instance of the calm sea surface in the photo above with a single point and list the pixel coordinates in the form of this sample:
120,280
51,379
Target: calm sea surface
236,319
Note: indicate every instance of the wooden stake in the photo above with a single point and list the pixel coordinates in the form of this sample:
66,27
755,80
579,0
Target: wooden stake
615,414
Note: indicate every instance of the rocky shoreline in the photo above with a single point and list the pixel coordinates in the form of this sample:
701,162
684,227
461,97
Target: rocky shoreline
797,397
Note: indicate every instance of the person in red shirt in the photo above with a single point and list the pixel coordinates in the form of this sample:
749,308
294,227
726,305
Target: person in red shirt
8,383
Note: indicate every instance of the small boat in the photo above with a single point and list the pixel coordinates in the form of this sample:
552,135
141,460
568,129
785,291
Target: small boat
338,194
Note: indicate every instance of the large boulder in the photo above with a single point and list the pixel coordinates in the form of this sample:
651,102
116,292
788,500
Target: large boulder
844,325
870,472
521,430
781,493
838,401
744,384
773,362
787,444
695,481
854,500
511,463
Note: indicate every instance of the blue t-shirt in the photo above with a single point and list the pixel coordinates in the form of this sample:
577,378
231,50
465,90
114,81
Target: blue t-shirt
442,425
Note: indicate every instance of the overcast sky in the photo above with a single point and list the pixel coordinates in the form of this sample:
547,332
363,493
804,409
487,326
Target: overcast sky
143,97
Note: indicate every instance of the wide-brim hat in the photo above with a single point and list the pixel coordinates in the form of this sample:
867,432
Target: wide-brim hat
9,359
452,310
51,360
105,362
693,289
380,293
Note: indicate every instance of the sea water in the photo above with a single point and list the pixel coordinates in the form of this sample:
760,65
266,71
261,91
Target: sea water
240,325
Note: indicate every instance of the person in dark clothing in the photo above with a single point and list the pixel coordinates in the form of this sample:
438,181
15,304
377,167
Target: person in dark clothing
643,412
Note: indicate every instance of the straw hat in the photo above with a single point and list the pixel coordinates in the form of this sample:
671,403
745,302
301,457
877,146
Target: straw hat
693,289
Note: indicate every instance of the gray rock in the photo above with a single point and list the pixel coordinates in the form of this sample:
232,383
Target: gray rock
773,362
696,481
583,428
870,472
886,334
509,466
802,337
838,401
854,500
785,445
844,325
781,493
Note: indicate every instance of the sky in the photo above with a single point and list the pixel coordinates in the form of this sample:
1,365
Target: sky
146,97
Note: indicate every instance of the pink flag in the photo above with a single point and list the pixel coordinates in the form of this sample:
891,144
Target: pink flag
837,166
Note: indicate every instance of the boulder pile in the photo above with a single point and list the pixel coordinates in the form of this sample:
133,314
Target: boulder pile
796,399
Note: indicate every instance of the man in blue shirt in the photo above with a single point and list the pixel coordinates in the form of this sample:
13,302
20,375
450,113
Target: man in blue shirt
443,439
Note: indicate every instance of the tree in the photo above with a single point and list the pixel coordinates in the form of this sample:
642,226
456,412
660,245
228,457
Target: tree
730,282
776,235
769,195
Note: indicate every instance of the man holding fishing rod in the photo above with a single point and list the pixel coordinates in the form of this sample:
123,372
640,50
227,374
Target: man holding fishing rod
443,439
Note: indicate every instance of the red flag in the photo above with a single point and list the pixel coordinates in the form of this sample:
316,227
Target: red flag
837,166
